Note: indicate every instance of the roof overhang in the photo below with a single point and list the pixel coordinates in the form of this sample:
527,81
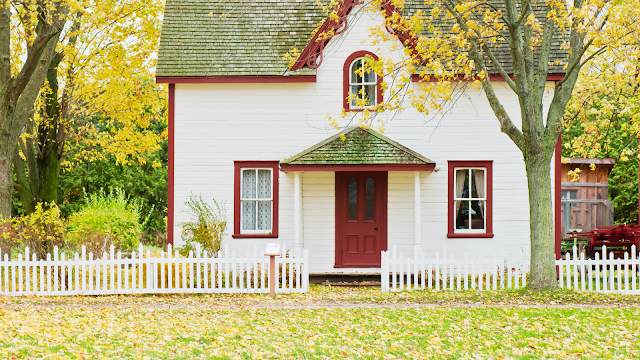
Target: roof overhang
251,79
373,167
357,149
597,161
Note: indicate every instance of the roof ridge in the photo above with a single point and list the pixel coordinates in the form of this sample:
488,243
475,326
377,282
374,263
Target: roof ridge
398,146
386,142
318,145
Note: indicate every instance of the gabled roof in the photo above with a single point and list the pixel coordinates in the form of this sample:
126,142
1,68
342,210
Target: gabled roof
233,37
359,147
203,38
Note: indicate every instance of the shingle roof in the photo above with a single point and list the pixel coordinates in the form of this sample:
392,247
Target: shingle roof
238,37
233,37
359,147
501,49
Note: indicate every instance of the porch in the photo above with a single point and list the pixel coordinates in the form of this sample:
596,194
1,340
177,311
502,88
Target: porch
350,192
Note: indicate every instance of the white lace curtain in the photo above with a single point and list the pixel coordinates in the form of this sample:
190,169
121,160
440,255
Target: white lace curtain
470,188
256,199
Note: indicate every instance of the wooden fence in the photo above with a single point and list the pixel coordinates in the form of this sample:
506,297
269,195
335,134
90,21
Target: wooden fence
575,272
601,274
147,273
446,272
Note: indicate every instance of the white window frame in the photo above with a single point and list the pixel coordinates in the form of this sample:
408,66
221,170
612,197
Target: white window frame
469,199
362,84
260,232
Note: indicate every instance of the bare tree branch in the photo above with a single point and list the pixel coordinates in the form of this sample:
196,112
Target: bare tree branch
506,124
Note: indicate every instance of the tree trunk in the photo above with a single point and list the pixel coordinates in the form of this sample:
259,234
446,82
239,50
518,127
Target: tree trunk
543,267
7,148
49,170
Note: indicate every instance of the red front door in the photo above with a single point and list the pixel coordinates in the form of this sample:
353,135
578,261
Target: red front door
361,218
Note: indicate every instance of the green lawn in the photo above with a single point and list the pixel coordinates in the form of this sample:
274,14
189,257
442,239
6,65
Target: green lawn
249,326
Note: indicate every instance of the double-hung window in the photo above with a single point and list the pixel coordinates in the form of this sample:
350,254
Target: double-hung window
256,199
470,199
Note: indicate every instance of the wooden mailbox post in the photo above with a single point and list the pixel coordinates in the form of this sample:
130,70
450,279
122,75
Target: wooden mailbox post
272,250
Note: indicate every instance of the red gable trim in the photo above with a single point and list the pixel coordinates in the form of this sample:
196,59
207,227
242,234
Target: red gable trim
406,37
374,167
311,56
495,77
235,79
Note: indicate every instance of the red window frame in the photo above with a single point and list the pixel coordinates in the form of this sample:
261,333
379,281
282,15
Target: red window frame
488,164
275,166
346,75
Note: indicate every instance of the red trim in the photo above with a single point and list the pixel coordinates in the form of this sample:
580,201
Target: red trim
171,171
467,236
234,79
236,198
489,216
558,198
406,36
494,77
311,56
346,75
376,167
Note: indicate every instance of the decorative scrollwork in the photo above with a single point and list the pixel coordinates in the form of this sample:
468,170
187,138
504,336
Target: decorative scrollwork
312,55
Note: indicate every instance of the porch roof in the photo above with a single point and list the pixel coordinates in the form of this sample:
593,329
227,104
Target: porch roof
357,149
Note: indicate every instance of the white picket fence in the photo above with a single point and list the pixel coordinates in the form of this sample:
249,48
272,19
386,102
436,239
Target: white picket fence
602,274
446,272
146,273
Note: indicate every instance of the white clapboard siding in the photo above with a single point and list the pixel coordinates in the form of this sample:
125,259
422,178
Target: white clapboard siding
146,273
444,271
601,274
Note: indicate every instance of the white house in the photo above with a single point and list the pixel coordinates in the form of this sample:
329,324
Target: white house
245,130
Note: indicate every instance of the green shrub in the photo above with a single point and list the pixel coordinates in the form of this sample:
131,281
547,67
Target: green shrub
206,227
107,219
40,231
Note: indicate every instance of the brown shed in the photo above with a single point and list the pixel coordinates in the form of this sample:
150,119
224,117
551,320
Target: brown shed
585,200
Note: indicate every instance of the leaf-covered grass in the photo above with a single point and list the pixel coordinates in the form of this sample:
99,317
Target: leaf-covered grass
319,295
484,333
330,323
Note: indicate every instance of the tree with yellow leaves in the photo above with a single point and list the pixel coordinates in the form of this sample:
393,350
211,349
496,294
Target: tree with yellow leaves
459,40
603,120
102,67
29,33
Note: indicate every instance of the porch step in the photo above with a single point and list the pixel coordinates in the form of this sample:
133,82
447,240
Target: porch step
346,280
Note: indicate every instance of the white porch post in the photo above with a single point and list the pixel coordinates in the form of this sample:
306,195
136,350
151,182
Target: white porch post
298,242
417,214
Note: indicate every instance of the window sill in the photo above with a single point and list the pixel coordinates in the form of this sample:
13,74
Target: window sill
254,236
359,110
469,235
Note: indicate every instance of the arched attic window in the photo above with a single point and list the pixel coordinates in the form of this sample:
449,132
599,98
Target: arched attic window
364,85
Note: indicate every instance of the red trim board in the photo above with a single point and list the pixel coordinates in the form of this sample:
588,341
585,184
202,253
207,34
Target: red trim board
488,164
557,203
171,170
376,167
235,79
238,165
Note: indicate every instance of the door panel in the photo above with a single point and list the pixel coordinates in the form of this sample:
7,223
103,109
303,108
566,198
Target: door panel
361,218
